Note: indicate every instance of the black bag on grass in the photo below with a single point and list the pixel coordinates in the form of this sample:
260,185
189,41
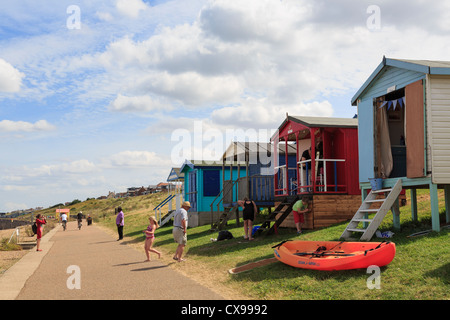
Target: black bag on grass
224,235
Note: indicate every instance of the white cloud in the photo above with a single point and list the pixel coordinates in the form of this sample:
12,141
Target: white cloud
16,188
252,20
22,126
18,174
124,53
106,16
135,159
11,206
10,77
137,104
77,166
262,113
192,88
130,8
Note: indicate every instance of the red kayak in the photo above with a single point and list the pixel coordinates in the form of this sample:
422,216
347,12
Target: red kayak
334,255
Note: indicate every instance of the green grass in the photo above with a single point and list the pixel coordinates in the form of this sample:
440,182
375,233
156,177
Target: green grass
9,246
420,269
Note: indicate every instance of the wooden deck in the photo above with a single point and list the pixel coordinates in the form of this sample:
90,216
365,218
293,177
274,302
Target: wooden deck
327,210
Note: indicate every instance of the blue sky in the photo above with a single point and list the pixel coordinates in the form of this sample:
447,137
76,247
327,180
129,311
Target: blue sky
88,110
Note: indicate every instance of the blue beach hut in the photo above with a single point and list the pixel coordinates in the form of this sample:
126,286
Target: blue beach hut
253,178
203,184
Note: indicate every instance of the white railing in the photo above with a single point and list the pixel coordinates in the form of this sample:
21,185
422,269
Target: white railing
170,203
15,232
325,171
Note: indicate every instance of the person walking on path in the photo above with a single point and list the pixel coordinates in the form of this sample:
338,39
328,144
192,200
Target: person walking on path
40,221
180,223
249,212
64,220
120,223
299,209
150,238
79,219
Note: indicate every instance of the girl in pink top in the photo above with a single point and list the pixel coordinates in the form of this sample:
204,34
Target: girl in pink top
39,222
150,237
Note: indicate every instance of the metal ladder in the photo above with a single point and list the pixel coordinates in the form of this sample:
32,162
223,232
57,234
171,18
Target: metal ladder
361,216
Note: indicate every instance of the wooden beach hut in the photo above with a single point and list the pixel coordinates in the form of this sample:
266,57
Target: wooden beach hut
404,134
203,185
174,196
61,211
253,178
176,181
329,176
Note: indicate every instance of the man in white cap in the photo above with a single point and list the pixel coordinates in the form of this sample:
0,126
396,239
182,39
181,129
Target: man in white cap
180,222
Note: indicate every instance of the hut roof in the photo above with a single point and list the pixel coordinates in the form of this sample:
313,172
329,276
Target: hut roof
317,122
424,66
321,122
237,148
175,175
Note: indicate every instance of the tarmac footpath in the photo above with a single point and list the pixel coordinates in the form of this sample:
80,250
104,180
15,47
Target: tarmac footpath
89,264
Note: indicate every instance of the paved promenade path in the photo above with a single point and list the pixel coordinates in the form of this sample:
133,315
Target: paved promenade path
107,269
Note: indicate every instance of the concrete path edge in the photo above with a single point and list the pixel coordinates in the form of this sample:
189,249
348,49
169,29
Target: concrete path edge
14,279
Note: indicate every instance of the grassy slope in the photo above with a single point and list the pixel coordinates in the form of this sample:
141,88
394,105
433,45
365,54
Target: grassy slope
420,269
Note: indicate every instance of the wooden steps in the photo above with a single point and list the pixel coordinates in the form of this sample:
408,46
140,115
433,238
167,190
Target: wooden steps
370,225
224,217
272,223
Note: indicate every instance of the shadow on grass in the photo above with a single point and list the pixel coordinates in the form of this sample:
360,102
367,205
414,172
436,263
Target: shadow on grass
442,272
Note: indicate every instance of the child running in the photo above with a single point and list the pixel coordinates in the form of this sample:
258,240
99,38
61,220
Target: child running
150,237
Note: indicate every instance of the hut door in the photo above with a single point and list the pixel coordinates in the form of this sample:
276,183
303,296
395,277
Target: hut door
193,190
415,156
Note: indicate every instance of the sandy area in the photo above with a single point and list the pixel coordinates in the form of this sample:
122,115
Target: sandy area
8,258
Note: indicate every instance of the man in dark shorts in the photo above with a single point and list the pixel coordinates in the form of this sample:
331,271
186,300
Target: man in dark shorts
249,212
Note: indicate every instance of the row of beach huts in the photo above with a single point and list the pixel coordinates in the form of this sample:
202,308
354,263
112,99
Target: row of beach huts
358,168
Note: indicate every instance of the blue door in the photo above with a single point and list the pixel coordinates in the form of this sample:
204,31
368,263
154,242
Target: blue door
193,190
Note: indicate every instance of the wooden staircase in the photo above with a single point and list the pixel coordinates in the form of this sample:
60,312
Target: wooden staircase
370,225
224,217
285,208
